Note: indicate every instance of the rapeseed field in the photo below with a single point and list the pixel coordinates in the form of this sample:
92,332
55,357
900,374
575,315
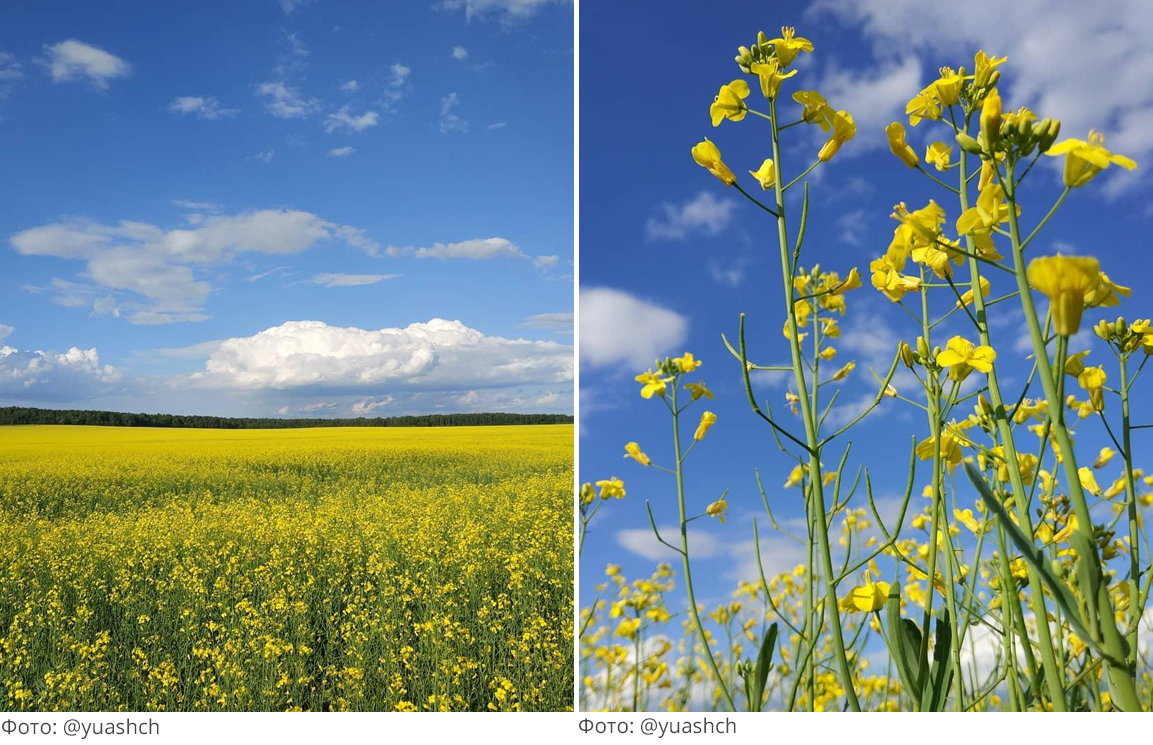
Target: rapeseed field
310,569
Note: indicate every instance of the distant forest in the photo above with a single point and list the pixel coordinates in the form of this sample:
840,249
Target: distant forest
23,415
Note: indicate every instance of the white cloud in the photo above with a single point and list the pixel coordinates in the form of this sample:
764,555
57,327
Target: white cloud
158,266
285,101
562,323
477,248
450,122
459,53
104,306
397,87
850,226
72,60
1103,85
288,6
643,542
345,119
369,405
350,87
874,97
264,156
704,214
508,10
542,262
341,152
610,321
349,280
497,125
730,273
195,206
5,330
10,69
47,376
202,107
437,355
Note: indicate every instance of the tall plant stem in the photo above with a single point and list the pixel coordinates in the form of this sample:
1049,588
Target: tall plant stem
1122,677
817,487
696,616
1054,675
1135,605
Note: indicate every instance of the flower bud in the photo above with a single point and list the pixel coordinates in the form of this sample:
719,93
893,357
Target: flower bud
906,354
991,118
1102,329
1050,136
968,144
922,348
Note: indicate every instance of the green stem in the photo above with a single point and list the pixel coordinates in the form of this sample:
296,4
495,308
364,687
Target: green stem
818,497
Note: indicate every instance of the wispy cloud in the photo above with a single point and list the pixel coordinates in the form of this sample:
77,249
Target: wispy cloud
75,60
203,107
349,280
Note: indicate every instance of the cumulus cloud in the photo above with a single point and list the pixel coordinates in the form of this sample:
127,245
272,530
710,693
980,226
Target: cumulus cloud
477,248
459,53
342,152
350,86
38,376
543,262
397,87
704,215
203,107
609,320
349,280
345,119
506,10
160,267
285,101
264,156
1103,85
75,60
437,355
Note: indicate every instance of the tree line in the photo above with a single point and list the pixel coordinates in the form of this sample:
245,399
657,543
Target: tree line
28,415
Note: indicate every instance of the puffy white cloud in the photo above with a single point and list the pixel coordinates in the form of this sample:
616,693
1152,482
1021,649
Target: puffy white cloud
285,101
397,87
437,355
350,86
349,280
459,53
104,306
5,330
73,59
159,266
288,6
368,406
265,156
704,214
543,262
34,376
477,248
1102,85
874,96
342,152
202,107
344,119
618,328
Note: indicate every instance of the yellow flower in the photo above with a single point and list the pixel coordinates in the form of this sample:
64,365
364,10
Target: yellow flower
843,131
828,353
960,356
1064,280
766,175
844,371
896,134
729,102
948,86
796,476
965,517
633,450
789,45
1075,363
1084,160
1104,457
967,296
1088,481
771,76
698,390
991,209
627,628
717,509
1092,379
984,67
817,110
852,282
708,156
890,281
1104,293
991,118
652,384
938,155
950,449
686,363
922,106
866,598
708,419
612,488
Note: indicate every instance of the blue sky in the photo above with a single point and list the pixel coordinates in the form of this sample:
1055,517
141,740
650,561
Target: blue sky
243,208
670,257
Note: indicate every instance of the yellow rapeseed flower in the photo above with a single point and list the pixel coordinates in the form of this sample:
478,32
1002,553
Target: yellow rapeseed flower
1064,280
730,102
843,130
1084,160
633,450
788,45
896,134
708,419
938,155
708,156
766,175
961,356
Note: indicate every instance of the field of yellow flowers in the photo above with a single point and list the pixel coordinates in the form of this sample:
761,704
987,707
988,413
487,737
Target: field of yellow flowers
1013,554
316,569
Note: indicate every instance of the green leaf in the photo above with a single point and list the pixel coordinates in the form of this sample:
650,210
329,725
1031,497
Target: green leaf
904,643
764,663
941,674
